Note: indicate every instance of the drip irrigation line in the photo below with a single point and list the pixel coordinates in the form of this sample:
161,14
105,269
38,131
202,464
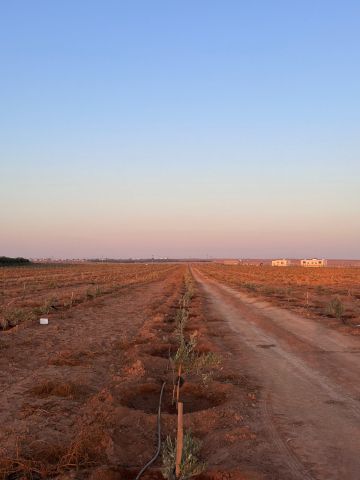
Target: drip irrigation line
150,462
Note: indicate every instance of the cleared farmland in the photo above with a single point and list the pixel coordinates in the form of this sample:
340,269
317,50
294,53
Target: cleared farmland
80,396
27,292
258,383
331,294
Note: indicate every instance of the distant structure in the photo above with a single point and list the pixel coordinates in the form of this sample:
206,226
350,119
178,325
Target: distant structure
280,263
229,261
313,262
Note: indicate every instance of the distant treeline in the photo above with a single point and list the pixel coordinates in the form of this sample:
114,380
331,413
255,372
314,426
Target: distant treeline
6,261
145,260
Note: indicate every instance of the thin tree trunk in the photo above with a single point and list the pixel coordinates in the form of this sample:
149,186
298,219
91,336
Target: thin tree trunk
179,440
178,384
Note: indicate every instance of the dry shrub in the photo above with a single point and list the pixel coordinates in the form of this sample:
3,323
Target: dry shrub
71,358
335,308
87,448
123,343
65,358
30,459
92,440
135,370
33,459
21,468
29,409
10,317
59,389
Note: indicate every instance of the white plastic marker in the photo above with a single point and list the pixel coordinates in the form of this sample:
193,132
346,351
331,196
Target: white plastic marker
44,321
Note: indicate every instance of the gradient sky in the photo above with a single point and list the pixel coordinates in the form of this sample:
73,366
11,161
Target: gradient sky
180,128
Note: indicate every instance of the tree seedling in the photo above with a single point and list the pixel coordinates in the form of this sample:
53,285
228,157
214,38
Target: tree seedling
190,463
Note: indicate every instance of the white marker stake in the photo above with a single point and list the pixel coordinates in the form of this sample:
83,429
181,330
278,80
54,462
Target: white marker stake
44,321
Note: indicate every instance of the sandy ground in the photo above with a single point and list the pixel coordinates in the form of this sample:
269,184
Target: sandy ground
54,378
310,400
78,398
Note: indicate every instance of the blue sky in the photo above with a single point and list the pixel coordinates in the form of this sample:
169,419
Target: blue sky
192,128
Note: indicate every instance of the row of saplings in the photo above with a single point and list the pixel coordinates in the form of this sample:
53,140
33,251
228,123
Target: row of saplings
180,456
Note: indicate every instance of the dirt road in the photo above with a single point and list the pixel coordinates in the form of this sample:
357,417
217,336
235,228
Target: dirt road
310,377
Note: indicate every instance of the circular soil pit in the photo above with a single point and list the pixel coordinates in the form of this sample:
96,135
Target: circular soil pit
28,474
164,327
215,334
197,398
222,475
141,340
169,319
203,348
161,351
192,326
124,473
266,345
173,308
194,397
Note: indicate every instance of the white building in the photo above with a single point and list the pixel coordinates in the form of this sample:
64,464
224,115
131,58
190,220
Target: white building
230,261
313,262
280,263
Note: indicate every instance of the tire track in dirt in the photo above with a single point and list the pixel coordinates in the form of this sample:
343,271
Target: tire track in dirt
293,461
310,404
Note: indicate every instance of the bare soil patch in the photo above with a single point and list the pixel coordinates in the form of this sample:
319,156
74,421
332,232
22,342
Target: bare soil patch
195,398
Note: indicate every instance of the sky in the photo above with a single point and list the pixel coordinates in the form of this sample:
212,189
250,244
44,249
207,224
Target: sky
176,128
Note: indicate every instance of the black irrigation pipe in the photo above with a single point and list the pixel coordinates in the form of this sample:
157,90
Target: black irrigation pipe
150,462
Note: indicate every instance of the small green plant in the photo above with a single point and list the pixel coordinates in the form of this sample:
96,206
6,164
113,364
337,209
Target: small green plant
190,464
335,308
181,319
71,302
251,287
93,292
183,361
46,307
185,354
268,291
288,294
188,361
12,317
205,364
3,323
90,293
320,290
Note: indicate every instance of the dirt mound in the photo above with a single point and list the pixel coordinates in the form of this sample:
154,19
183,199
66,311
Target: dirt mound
48,388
